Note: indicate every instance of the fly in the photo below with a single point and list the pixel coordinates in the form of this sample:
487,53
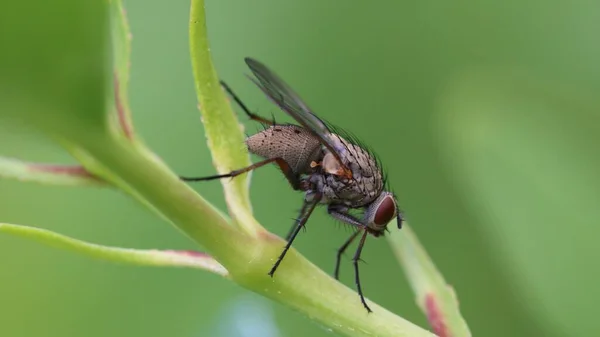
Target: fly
330,166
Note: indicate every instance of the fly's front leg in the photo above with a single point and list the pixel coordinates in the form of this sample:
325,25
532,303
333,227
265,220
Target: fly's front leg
341,213
341,251
307,209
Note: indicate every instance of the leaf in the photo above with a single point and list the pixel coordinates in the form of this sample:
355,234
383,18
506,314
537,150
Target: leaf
51,174
140,257
54,70
434,296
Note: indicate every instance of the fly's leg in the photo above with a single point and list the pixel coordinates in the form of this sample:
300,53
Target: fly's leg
355,260
341,213
290,232
307,209
283,165
399,217
341,251
243,106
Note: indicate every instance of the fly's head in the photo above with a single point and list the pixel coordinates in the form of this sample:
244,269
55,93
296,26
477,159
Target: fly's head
381,211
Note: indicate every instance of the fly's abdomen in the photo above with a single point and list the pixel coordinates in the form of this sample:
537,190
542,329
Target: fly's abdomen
292,143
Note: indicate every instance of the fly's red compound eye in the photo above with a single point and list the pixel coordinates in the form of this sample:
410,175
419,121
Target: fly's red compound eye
385,212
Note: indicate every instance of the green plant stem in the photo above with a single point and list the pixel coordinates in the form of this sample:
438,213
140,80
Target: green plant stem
120,161
121,57
49,174
434,296
218,118
139,257
298,283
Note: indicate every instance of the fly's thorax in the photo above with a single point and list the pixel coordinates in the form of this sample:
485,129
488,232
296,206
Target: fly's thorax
292,143
366,183
361,162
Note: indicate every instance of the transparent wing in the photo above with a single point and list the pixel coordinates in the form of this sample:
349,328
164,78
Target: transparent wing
280,93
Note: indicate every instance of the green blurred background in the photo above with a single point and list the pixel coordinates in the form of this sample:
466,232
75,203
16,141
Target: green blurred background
484,113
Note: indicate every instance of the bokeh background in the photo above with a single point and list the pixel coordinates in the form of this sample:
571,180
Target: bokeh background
484,113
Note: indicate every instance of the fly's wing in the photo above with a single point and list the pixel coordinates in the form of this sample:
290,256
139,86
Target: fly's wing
280,93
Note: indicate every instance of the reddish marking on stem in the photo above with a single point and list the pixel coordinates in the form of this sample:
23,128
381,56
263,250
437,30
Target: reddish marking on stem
71,170
435,316
127,130
191,253
268,236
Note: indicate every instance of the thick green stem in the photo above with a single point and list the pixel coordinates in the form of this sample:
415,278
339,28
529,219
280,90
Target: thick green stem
138,171
297,283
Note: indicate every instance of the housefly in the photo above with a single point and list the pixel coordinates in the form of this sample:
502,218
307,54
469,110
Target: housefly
329,165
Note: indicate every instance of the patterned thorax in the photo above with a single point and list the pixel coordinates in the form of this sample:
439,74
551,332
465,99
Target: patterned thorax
367,179
292,143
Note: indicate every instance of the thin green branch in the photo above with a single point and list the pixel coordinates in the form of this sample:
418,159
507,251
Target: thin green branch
121,44
226,147
140,257
434,296
50,174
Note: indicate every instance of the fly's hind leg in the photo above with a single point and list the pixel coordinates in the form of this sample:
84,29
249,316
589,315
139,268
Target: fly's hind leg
292,178
243,106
